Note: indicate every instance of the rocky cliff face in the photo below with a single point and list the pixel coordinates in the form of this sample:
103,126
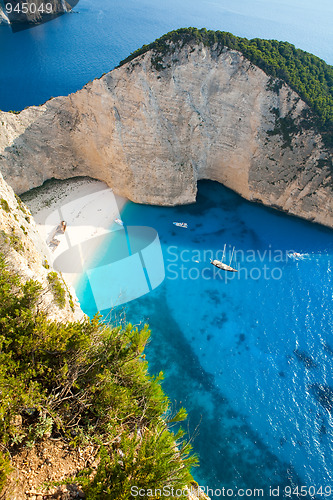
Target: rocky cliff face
151,131
27,254
48,467
3,17
34,11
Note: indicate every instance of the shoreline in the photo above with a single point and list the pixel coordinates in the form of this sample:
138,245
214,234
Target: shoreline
89,208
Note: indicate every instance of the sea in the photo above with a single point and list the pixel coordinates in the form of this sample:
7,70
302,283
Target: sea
249,354
61,56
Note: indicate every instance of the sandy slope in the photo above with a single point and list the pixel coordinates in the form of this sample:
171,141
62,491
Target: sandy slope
89,208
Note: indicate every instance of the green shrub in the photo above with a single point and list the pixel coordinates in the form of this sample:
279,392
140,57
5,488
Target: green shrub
16,243
12,240
70,298
151,461
4,205
5,469
57,289
86,382
21,205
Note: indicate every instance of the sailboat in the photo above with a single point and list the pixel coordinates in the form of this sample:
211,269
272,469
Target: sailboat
181,224
297,255
222,265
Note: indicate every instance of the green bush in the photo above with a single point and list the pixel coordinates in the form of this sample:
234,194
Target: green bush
4,205
85,382
148,461
5,469
12,240
59,292
21,205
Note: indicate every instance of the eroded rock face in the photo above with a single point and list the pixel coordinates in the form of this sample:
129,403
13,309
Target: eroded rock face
151,134
27,254
34,11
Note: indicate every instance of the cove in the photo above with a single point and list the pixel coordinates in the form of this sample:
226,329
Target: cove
249,354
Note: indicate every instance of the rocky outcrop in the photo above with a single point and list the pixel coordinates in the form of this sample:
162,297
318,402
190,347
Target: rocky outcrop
34,11
27,254
151,131
3,17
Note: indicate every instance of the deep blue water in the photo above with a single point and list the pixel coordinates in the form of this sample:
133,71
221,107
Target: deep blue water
61,56
227,346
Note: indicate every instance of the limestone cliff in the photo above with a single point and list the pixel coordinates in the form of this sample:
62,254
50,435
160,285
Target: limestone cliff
151,132
3,17
27,253
34,11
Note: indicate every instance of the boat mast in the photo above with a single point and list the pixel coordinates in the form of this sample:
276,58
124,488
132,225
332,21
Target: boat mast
231,256
223,252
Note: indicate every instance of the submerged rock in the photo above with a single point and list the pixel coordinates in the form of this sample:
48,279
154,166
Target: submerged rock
305,359
323,429
328,348
324,395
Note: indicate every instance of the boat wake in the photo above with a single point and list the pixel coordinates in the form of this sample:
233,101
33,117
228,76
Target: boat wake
298,256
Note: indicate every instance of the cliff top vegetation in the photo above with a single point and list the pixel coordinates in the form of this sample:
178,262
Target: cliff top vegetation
305,73
86,383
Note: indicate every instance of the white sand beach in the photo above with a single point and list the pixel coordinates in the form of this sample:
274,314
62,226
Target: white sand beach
87,206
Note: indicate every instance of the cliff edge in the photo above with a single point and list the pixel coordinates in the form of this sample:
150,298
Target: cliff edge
156,125
60,381
26,252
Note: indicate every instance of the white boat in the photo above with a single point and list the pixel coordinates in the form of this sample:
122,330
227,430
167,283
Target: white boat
119,222
222,265
297,256
180,224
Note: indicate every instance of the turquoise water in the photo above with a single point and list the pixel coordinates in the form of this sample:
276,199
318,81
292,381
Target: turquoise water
63,55
244,354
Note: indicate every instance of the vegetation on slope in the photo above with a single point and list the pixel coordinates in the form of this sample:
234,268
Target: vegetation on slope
305,73
85,382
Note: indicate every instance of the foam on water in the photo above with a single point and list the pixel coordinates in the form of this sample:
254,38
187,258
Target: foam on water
244,354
